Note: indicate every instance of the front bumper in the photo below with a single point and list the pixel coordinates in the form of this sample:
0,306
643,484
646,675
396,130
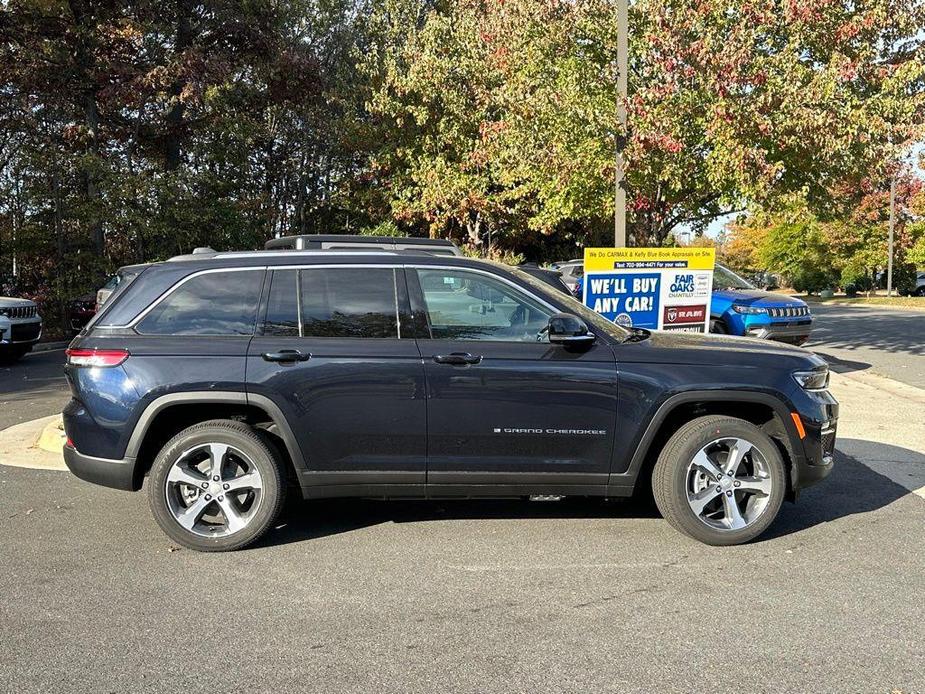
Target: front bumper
118,474
794,332
21,332
819,424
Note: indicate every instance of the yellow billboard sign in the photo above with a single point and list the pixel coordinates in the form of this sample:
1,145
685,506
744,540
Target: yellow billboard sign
649,258
653,288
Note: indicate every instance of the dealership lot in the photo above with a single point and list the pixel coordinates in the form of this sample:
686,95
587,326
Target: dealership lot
472,596
887,341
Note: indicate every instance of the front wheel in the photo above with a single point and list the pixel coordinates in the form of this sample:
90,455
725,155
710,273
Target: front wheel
720,480
216,486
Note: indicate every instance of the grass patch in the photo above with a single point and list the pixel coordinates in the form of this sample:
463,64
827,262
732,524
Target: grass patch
915,302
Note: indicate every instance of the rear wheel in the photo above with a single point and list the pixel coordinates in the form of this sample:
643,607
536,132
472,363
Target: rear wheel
720,480
216,486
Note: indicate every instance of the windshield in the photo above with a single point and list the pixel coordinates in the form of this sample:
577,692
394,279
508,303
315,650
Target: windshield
574,306
724,278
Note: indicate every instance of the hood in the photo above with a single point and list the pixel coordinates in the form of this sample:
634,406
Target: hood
8,301
758,297
700,348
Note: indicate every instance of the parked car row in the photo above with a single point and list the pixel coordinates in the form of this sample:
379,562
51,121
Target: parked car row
738,307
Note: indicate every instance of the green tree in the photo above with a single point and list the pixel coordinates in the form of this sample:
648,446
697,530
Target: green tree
505,111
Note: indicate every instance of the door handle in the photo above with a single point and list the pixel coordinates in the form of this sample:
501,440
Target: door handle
458,358
286,355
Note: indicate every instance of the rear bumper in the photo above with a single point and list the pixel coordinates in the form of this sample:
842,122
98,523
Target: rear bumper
118,474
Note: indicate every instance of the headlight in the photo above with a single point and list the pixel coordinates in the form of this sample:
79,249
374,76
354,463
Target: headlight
748,310
818,379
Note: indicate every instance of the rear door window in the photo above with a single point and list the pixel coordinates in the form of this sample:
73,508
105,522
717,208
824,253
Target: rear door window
353,302
214,303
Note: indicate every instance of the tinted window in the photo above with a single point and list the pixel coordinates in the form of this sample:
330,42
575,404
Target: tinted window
723,278
349,302
216,303
469,306
282,306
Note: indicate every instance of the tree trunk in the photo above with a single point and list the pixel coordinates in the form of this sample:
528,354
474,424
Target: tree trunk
85,65
174,121
92,115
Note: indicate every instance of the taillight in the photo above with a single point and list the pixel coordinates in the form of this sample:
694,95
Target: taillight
96,357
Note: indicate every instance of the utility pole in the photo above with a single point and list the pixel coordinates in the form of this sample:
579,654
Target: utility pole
619,208
889,261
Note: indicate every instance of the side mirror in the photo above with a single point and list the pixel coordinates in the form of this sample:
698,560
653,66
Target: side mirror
568,329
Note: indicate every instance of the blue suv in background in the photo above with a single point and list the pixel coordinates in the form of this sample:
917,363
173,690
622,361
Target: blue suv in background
739,308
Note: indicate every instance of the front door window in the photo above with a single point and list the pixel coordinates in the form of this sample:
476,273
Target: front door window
463,305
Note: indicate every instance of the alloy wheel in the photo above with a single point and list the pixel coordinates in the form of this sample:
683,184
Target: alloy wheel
728,484
213,490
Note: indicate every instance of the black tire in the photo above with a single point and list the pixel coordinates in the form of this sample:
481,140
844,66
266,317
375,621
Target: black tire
249,442
670,478
718,326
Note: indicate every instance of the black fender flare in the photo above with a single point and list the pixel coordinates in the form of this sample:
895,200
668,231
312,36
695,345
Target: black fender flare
161,403
623,483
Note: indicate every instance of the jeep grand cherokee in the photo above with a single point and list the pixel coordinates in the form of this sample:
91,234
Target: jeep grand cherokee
231,379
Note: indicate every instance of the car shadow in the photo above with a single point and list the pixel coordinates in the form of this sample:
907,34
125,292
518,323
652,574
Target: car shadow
324,517
841,366
851,489
866,327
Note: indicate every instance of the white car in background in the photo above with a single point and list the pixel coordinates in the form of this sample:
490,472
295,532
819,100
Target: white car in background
20,327
572,272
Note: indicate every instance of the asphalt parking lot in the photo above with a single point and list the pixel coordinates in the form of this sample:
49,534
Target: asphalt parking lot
462,596
33,387
468,596
887,341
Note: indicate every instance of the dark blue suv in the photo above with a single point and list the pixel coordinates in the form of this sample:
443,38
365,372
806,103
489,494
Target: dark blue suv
229,380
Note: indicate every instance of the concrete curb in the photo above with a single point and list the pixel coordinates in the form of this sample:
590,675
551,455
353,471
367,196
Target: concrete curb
19,445
885,384
52,438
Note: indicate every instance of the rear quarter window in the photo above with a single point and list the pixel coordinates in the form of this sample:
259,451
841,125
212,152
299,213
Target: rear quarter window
213,303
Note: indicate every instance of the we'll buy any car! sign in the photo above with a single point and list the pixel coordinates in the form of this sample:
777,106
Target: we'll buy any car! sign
654,288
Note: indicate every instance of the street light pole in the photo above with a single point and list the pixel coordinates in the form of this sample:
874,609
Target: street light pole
619,210
889,261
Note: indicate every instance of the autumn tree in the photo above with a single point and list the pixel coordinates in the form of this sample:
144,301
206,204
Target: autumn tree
504,111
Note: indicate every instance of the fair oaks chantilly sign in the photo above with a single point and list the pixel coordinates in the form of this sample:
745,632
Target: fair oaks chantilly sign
654,288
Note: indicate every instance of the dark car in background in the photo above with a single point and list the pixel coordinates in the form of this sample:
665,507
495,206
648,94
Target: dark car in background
82,309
